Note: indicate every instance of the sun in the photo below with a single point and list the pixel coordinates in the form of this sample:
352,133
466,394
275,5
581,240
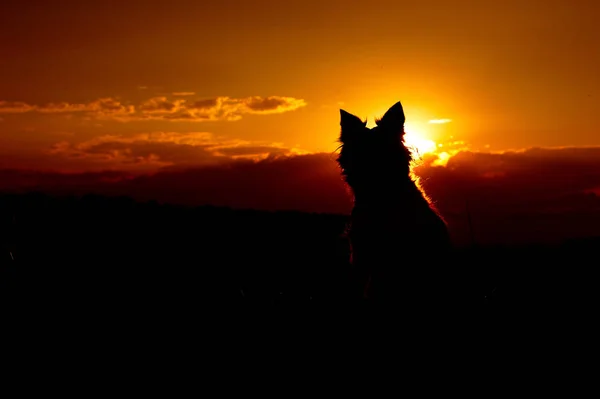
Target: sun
417,139
417,142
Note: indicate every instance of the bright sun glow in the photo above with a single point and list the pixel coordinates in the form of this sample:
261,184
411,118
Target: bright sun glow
416,139
418,142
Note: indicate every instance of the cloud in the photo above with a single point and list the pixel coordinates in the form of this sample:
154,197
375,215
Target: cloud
304,182
101,108
184,93
533,194
161,105
14,107
439,121
160,149
164,108
270,105
538,194
222,108
243,151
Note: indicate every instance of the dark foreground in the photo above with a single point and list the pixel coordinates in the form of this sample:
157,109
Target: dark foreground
117,262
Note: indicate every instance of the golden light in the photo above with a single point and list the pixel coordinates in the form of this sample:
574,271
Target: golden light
442,159
415,138
418,142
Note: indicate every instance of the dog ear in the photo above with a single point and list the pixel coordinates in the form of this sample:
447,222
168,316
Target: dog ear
350,124
394,118
347,120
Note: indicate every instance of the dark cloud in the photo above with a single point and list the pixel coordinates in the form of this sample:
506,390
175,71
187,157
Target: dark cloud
160,104
267,103
168,153
253,150
203,104
308,183
165,149
14,107
533,195
538,193
184,116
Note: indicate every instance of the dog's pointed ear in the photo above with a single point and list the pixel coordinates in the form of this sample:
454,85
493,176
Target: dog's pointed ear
393,118
350,125
347,120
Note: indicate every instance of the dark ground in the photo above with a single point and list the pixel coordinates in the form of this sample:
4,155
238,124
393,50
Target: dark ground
112,261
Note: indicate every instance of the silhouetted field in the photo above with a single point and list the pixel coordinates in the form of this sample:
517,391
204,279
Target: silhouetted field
113,256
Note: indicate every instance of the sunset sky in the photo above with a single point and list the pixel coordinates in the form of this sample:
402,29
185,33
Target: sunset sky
140,86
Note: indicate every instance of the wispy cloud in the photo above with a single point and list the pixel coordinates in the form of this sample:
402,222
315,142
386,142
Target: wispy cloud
439,121
184,93
167,109
160,149
14,107
102,108
215,109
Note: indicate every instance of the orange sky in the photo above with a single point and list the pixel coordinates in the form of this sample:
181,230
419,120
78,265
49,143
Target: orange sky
91,85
